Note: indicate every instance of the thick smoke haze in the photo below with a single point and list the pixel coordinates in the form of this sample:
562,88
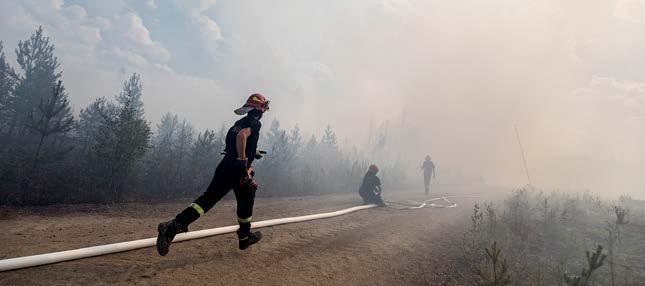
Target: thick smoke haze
447,78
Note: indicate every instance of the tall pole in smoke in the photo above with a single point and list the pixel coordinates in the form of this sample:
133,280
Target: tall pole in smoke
526,168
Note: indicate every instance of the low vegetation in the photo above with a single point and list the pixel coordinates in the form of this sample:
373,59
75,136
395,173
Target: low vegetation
537,238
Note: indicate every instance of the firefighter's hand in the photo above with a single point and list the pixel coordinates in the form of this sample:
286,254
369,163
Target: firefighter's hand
248,184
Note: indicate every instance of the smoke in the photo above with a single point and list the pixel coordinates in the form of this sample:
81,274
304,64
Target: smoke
448,78
452,79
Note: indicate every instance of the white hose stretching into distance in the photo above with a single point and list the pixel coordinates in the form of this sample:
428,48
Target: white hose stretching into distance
55,257
413,205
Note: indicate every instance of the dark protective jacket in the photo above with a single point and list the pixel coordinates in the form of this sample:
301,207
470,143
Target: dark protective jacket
247,121
370,187
428,168
227,177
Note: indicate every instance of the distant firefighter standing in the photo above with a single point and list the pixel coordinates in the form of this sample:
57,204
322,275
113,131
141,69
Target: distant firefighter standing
428,172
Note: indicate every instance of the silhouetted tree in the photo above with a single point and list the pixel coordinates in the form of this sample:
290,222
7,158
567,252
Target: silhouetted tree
53,116
162,158
123,140
278,143
295,139
8,79
91,119
40,72
328,150
329,138
204,157
166,132
185,137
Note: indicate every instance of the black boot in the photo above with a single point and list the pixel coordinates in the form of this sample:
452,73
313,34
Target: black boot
249,239
167,231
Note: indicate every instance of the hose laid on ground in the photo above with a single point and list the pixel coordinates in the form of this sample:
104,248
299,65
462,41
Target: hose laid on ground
413,205
55,257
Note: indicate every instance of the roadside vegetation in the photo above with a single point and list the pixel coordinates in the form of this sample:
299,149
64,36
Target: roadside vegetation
537,238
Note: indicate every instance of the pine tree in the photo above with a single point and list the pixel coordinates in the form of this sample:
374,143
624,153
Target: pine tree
595,260
123,139
275,164
40,72
91,168
203,158
329,138
277,140
53,116
8,79
92,118
204,146
220,138
185,136
295,139
329,149
495,271
311,165
130,99
166,132
161,163
272,135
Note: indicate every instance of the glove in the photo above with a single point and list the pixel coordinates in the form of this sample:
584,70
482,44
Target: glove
248,184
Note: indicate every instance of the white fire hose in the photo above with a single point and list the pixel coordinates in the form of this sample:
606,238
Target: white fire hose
55,257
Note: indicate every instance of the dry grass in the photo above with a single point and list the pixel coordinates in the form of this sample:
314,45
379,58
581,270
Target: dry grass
544,237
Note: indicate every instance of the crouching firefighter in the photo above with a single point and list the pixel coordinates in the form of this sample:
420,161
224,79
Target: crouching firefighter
233,172
370,189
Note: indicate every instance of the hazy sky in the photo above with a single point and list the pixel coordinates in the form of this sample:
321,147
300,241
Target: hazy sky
457,75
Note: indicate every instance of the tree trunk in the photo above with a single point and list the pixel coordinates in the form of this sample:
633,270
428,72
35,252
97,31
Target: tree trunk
40,145
24,186
12,126
181,155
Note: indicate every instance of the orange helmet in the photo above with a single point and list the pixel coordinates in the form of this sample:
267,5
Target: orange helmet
373,168
255,101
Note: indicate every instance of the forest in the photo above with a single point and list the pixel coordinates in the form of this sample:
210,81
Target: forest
110,152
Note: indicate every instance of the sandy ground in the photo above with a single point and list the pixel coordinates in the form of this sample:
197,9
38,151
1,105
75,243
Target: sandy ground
381,246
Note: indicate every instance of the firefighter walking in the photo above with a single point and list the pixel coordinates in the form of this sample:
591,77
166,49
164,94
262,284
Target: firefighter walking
428,172
233,172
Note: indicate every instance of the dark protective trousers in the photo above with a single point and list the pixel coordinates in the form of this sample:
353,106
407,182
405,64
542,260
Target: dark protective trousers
226,177
371,197
426,181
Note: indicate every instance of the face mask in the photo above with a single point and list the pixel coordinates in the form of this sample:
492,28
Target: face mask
256,114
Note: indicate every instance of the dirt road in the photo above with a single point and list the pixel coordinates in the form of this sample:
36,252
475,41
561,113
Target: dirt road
380,246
